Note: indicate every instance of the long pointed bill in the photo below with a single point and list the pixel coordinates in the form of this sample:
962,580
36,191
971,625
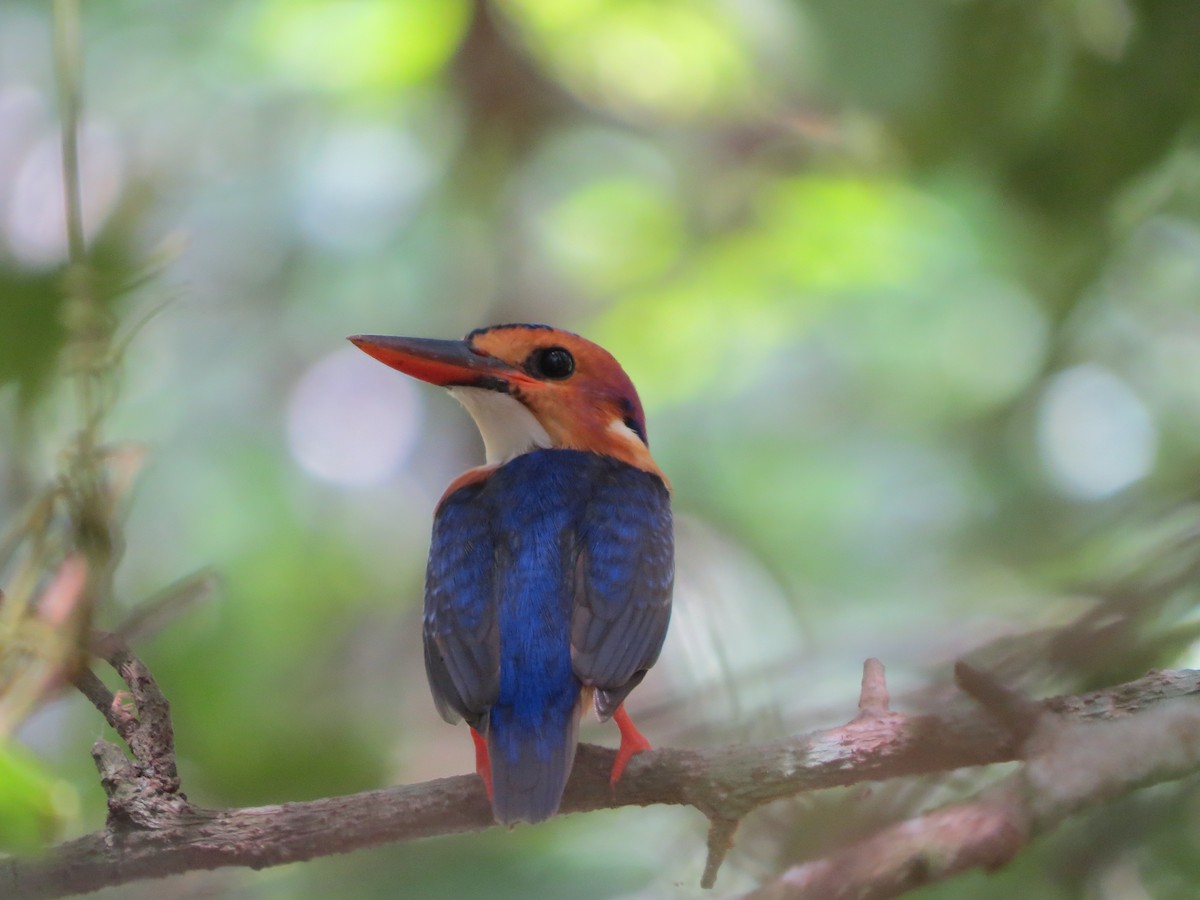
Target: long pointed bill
444,363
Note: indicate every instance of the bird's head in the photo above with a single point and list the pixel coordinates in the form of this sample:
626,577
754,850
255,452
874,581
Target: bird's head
529,386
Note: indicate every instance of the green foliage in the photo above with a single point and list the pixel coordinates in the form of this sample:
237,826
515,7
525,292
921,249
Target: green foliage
909,291
34,804
663,58
362,46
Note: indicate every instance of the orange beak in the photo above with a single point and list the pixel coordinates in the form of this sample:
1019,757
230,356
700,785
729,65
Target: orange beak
444,363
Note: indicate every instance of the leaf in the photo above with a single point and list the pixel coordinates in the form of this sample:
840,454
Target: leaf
34,804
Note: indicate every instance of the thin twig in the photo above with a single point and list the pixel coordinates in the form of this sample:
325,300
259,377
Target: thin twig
89,684
152,741
89,332
68,51
148,732
158,610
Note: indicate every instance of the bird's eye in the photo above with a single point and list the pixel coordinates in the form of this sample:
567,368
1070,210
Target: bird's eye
551,362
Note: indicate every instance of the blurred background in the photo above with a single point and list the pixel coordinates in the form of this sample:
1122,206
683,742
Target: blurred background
911,293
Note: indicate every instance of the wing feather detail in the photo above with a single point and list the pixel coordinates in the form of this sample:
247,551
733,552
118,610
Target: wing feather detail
461,628
624,575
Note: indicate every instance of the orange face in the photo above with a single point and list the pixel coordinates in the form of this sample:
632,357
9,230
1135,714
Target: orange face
574,389
571,385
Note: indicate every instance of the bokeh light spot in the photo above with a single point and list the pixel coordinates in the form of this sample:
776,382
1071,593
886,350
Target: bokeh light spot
360,186
351,421
1094,434
22,120
614,233
990,341
35,221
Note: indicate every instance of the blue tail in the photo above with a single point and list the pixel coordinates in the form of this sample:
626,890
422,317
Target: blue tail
532,750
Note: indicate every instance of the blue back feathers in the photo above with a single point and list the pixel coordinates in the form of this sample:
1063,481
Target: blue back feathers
552,573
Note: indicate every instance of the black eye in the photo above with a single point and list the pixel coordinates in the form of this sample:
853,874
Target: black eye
551,362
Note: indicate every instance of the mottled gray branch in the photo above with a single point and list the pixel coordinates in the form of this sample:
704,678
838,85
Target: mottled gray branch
1071,763
724,783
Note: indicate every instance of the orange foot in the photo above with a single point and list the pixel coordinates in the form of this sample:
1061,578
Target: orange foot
632,742
483,764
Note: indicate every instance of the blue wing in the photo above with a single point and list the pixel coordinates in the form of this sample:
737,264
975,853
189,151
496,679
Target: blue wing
462,634
624,574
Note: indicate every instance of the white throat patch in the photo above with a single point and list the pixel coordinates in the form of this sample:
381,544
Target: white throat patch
508,428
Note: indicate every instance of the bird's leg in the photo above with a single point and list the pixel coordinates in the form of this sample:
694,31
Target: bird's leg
632,742
483,764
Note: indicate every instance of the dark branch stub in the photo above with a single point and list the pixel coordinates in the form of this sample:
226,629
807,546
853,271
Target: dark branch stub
1017,713
144,791
720,842
121,720
873,699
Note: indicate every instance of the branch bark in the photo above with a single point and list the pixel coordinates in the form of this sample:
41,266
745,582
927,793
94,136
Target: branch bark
1071,764
166,835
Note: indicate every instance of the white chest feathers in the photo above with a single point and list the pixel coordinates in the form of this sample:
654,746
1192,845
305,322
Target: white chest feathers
508,428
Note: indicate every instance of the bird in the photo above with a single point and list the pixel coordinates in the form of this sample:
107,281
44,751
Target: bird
551,566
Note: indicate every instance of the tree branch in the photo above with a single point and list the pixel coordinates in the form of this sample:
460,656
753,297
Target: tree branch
153,831
1071,763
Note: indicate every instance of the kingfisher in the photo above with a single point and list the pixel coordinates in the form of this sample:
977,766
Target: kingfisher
551,566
